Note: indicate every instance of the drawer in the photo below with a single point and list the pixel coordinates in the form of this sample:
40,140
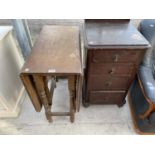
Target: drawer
97,83
106,97
120,69
116,55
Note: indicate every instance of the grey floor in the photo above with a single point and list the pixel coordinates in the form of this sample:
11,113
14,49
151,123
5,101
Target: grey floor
97,119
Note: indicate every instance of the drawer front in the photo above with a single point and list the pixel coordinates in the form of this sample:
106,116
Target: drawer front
106,97
120,69
97,83
116,56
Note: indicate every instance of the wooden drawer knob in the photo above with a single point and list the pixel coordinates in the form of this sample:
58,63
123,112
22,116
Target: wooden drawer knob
112,71
108,84
105,99
94,60
115,57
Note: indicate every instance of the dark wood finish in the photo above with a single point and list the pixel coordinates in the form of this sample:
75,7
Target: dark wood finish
107,97
113,34
56,53
60,113
98,82
87,21
30,88
39,83
115,55
118,69
114,51
71,88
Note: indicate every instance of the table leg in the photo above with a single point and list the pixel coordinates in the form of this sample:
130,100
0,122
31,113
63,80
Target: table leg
71,87
74,93
39,83
79,92
47,90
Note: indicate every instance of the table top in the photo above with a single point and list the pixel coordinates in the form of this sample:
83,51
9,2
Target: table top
113,33
57,50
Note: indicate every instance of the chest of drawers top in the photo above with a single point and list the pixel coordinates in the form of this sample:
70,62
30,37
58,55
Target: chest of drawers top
113,34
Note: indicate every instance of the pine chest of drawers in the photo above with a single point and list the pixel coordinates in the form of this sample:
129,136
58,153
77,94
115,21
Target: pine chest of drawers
114,48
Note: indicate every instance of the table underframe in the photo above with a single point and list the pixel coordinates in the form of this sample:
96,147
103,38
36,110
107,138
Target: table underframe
39,84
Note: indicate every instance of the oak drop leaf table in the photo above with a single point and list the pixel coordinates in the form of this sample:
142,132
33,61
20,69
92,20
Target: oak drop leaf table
56,53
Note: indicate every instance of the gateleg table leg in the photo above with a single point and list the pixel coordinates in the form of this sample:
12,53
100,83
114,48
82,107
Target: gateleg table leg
79,93
71,87
39,83
47,90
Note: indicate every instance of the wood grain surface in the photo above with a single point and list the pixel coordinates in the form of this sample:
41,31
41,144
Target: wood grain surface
113,33
55,51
